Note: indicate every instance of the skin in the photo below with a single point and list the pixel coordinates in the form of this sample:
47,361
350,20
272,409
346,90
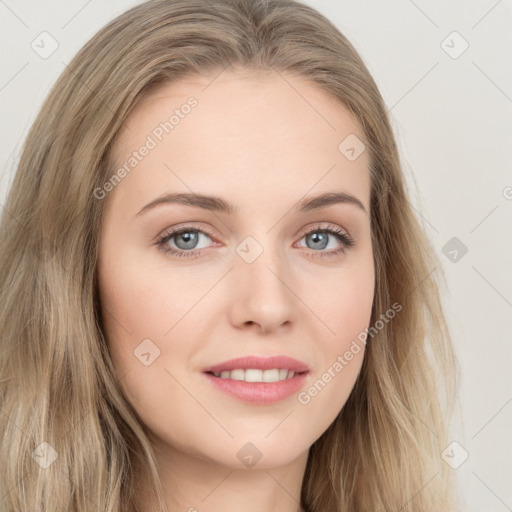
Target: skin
261,143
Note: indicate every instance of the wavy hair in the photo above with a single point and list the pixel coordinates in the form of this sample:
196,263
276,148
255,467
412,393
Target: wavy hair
57,381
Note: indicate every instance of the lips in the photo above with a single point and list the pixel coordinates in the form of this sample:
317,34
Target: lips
254,379
259,363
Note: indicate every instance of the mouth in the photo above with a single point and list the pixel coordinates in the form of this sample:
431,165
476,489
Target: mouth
258,380
256,374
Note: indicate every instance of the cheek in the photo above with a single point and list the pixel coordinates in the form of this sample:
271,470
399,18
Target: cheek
342,302
328,388
147,312
131,313
344,306
136,302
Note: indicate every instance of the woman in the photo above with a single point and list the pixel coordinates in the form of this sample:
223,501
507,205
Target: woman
215,292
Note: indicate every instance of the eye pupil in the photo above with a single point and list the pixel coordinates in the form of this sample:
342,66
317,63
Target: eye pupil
318,237
190,238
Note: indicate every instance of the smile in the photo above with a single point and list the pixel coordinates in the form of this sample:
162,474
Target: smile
256,375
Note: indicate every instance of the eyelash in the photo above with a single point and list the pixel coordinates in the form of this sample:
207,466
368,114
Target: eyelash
347,242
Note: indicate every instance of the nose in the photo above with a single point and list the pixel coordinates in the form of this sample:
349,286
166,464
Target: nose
263,296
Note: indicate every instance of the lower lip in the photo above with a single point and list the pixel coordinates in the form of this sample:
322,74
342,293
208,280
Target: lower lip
259,392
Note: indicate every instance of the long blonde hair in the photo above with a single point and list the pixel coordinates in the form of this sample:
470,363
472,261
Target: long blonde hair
58,385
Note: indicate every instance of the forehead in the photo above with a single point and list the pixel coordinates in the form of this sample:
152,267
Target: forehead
246,133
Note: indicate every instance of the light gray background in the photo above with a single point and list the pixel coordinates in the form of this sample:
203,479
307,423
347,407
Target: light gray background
453,121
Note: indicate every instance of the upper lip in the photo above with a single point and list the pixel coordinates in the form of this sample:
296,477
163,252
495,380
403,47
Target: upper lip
260,363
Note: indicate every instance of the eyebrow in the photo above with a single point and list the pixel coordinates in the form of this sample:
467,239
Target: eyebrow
214,203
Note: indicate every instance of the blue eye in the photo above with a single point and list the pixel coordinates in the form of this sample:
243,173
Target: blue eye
320,238
186,239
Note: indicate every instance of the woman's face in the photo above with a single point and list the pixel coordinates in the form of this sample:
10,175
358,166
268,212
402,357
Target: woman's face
253,274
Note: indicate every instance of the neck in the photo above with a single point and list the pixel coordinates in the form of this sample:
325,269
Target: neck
194,484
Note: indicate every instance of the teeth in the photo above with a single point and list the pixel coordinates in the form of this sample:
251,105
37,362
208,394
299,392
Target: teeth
255,375
237,375
269,375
